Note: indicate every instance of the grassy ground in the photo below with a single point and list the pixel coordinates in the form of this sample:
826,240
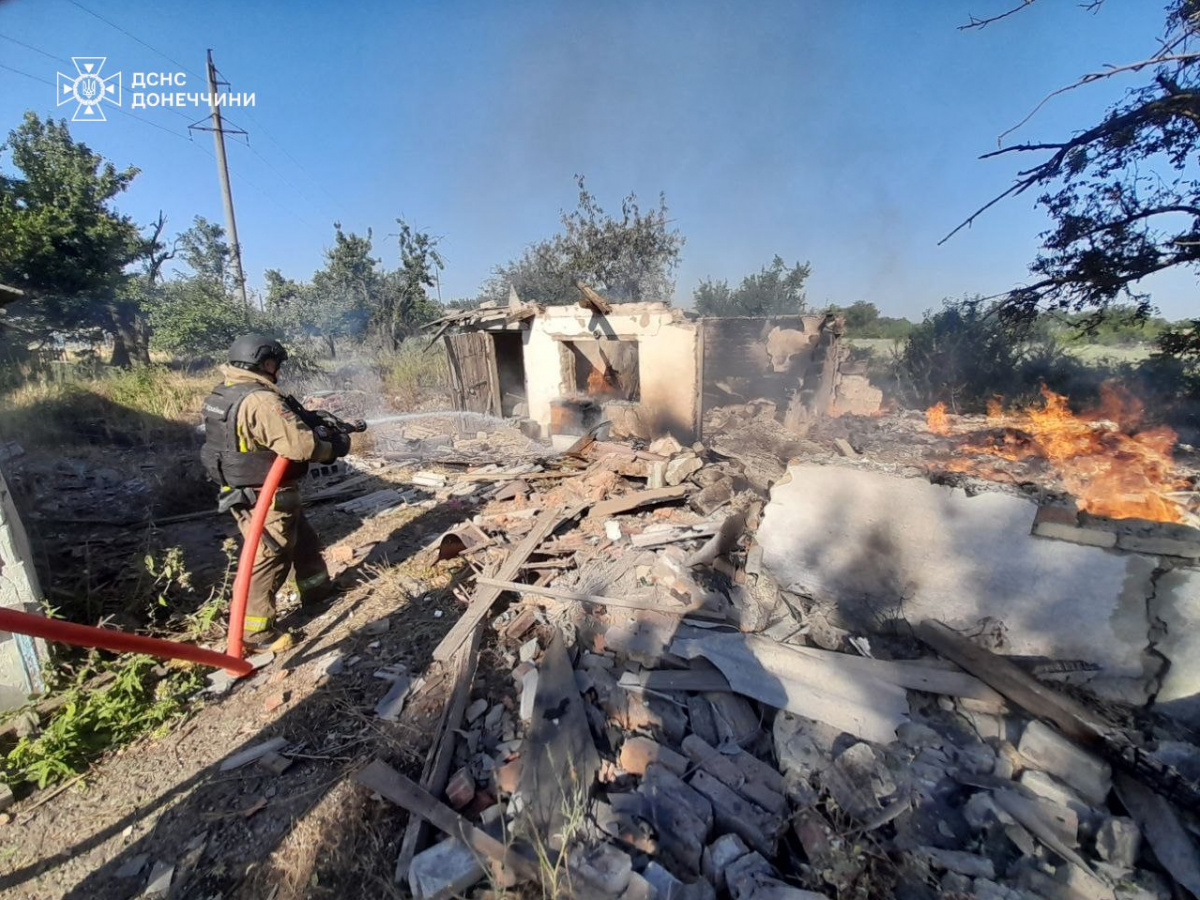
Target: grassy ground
140,407
88,433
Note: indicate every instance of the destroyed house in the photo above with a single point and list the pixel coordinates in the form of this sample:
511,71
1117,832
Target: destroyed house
648,368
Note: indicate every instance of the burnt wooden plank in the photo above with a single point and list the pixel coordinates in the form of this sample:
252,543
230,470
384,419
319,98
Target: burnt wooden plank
404,792
640,499
560,761
436,771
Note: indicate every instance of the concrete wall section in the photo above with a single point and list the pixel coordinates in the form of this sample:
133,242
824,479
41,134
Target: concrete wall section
20,656
1176,611
667,360
874,546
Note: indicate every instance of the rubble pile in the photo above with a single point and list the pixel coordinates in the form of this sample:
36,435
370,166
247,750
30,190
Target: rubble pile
679,725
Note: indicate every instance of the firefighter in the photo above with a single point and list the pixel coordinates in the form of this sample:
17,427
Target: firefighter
248,421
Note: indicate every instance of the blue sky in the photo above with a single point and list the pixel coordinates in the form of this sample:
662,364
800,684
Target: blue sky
843,133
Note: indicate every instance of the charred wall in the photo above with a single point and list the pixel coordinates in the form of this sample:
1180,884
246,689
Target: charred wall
762,358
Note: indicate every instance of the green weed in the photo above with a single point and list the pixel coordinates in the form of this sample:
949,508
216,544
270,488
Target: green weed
136,703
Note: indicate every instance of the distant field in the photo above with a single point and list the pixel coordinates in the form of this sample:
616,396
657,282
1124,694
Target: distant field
881,348
1095,353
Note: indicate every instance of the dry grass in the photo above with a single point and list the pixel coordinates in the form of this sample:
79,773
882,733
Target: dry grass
411,373
140,407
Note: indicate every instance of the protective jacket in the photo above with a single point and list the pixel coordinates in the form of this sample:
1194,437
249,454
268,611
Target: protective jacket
247,423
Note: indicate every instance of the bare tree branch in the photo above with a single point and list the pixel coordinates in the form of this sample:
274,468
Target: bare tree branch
1186,105
1108,72
976,22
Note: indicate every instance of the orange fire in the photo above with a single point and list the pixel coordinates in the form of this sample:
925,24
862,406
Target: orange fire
935,419
599,382
1111,468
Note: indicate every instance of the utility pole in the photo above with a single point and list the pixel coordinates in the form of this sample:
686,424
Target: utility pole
219,131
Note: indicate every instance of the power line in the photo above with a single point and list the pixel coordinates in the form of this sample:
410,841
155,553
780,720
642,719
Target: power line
69,62
134,37
257,124
240,177
119,109
31,47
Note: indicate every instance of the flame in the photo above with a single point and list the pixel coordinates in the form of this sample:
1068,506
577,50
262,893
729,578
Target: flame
599,382
1111,468
935,419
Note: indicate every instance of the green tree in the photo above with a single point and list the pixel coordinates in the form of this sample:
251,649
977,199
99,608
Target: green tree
336,306
630,258
403,303
195,313
64,243
863,320
776,290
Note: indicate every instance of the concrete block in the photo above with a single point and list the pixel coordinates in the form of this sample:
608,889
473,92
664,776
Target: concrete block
733,812
712,497
477,709
1176,605
719,855
1050,788
1159,546
681,468
804,747
1049,751
668,887
444,870
529,650
858,541
1118,841
770,889
602,867
529,683
681,817
739,772
1062,524
744,875
460,789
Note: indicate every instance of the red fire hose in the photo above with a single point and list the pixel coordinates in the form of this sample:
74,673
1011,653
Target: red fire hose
12,620
241,583
118,641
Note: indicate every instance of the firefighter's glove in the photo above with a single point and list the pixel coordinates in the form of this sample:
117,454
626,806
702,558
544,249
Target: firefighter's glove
341,444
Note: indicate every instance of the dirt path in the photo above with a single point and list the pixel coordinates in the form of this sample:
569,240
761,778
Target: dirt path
250,833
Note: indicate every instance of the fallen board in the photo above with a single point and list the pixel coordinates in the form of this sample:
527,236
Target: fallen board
638,500
390,784
436,771
559,760
617,602
484,599
1073,719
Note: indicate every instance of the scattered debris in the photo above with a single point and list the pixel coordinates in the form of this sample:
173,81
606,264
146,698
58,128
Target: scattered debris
252,754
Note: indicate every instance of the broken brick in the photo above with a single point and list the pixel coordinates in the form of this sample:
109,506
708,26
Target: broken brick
1049,751
460,790
639,752
732,812
508,776
275,763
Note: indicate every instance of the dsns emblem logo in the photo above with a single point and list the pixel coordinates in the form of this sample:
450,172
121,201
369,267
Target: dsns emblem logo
89,89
